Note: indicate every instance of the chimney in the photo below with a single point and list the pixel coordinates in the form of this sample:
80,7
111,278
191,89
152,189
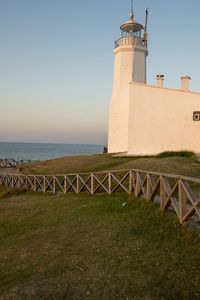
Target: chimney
159,80
185,83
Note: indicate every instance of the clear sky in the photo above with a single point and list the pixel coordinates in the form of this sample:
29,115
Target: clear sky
56,62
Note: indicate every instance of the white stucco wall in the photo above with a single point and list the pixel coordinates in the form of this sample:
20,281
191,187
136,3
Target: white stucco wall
119,105
139,65
161,119
118,125
122,69
124,66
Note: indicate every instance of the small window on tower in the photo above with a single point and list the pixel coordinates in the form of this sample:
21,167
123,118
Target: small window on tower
196,116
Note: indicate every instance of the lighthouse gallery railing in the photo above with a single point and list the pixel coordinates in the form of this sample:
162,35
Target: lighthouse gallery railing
130,41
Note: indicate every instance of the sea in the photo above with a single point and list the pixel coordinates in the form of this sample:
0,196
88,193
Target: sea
44,151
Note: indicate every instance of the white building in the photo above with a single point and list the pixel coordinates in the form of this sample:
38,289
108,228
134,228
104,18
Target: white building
146,119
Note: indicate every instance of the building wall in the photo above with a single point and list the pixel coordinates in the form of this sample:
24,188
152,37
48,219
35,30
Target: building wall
161,119
118,125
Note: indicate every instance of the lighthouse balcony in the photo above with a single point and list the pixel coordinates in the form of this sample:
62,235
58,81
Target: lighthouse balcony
131,41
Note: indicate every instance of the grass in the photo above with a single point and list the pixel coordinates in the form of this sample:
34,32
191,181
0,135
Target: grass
97,247
181,164
75,164
175,153
102,247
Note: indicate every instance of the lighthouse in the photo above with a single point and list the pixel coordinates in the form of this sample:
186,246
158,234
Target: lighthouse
130,54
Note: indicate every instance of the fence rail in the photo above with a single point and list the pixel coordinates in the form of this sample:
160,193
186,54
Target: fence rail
175,192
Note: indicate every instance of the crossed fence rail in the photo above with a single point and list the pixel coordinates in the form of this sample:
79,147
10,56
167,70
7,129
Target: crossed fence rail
175,192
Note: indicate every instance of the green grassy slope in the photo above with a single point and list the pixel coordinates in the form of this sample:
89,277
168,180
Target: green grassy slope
75,164
178,165
101,247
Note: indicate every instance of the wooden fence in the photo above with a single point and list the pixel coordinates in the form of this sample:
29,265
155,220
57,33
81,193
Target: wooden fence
175,192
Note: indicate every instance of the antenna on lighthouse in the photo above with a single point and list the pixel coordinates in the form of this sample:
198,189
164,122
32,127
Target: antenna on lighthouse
145,28
131,14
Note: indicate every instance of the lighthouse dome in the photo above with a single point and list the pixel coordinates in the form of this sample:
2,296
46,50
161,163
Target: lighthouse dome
131,26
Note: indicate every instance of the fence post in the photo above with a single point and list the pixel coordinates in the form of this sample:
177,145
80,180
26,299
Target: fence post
65,185
182,201
12,181
54,184
77,184
148,191
92,183
35,184
162,193
6,181
130,182
19,181
109,183
137,185
26,183
44,184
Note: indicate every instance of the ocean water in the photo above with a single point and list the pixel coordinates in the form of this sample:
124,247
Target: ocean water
39,151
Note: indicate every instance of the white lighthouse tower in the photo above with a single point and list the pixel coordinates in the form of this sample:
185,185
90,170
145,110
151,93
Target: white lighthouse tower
129,66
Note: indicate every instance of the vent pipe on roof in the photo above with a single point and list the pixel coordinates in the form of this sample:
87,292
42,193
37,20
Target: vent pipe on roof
160,80
185,83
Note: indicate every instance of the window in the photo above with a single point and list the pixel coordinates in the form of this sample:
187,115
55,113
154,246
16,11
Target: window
196,116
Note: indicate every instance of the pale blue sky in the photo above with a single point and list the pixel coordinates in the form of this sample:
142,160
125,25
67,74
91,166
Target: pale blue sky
56,62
